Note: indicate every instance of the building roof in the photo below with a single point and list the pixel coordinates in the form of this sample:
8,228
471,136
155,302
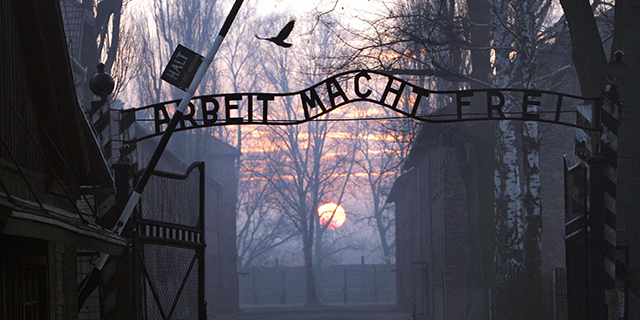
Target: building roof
404,182
42,35
74,16
221,148
28,219
434,135
172,161
61,133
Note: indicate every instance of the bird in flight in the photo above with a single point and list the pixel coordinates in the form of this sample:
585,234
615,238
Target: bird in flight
284,33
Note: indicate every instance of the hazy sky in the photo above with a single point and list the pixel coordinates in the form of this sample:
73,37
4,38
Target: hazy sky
308,5
350,10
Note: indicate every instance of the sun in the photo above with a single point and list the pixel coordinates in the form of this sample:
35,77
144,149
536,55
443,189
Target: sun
326,211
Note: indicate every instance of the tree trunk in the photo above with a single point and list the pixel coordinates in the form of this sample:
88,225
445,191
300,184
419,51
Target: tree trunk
533,307
115,37
588,55
382,230
319,256
532,206
509,226
307,249
483,135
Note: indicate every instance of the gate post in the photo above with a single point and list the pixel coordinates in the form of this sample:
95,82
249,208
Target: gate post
117,295
576,240
594,296
601,244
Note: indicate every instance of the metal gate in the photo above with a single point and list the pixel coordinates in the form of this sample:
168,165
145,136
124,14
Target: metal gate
576,240
168,247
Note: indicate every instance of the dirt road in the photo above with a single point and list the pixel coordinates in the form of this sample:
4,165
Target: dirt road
322,312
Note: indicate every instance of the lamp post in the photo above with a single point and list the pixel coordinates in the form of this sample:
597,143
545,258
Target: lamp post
617,71
101,84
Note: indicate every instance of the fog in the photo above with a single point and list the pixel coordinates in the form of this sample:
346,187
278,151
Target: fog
443,220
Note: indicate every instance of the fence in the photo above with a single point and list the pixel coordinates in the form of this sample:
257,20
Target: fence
168,247
361,283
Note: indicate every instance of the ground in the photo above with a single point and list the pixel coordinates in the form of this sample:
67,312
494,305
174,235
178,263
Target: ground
321,312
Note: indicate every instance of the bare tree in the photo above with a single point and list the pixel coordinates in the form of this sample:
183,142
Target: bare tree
125,67
260,228
322,252
161,26
113,40
297,165
300,176
107,23
464,44
381,148
238,60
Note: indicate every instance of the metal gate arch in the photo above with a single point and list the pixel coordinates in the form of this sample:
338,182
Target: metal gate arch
168,247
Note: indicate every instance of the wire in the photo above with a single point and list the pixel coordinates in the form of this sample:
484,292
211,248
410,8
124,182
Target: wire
6,191
15,161
66,192
66,165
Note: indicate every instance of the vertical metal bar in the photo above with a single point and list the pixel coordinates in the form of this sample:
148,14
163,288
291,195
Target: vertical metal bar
375,284
346,288
254,285
596,290
202,304
152,287
627,259
284,292
183,283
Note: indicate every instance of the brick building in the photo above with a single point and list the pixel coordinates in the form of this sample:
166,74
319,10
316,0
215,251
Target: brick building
444,240
49,160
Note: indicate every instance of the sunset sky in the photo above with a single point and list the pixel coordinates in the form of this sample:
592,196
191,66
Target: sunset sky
350,10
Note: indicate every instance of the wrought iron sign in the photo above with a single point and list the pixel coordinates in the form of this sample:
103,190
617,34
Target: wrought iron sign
373,87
